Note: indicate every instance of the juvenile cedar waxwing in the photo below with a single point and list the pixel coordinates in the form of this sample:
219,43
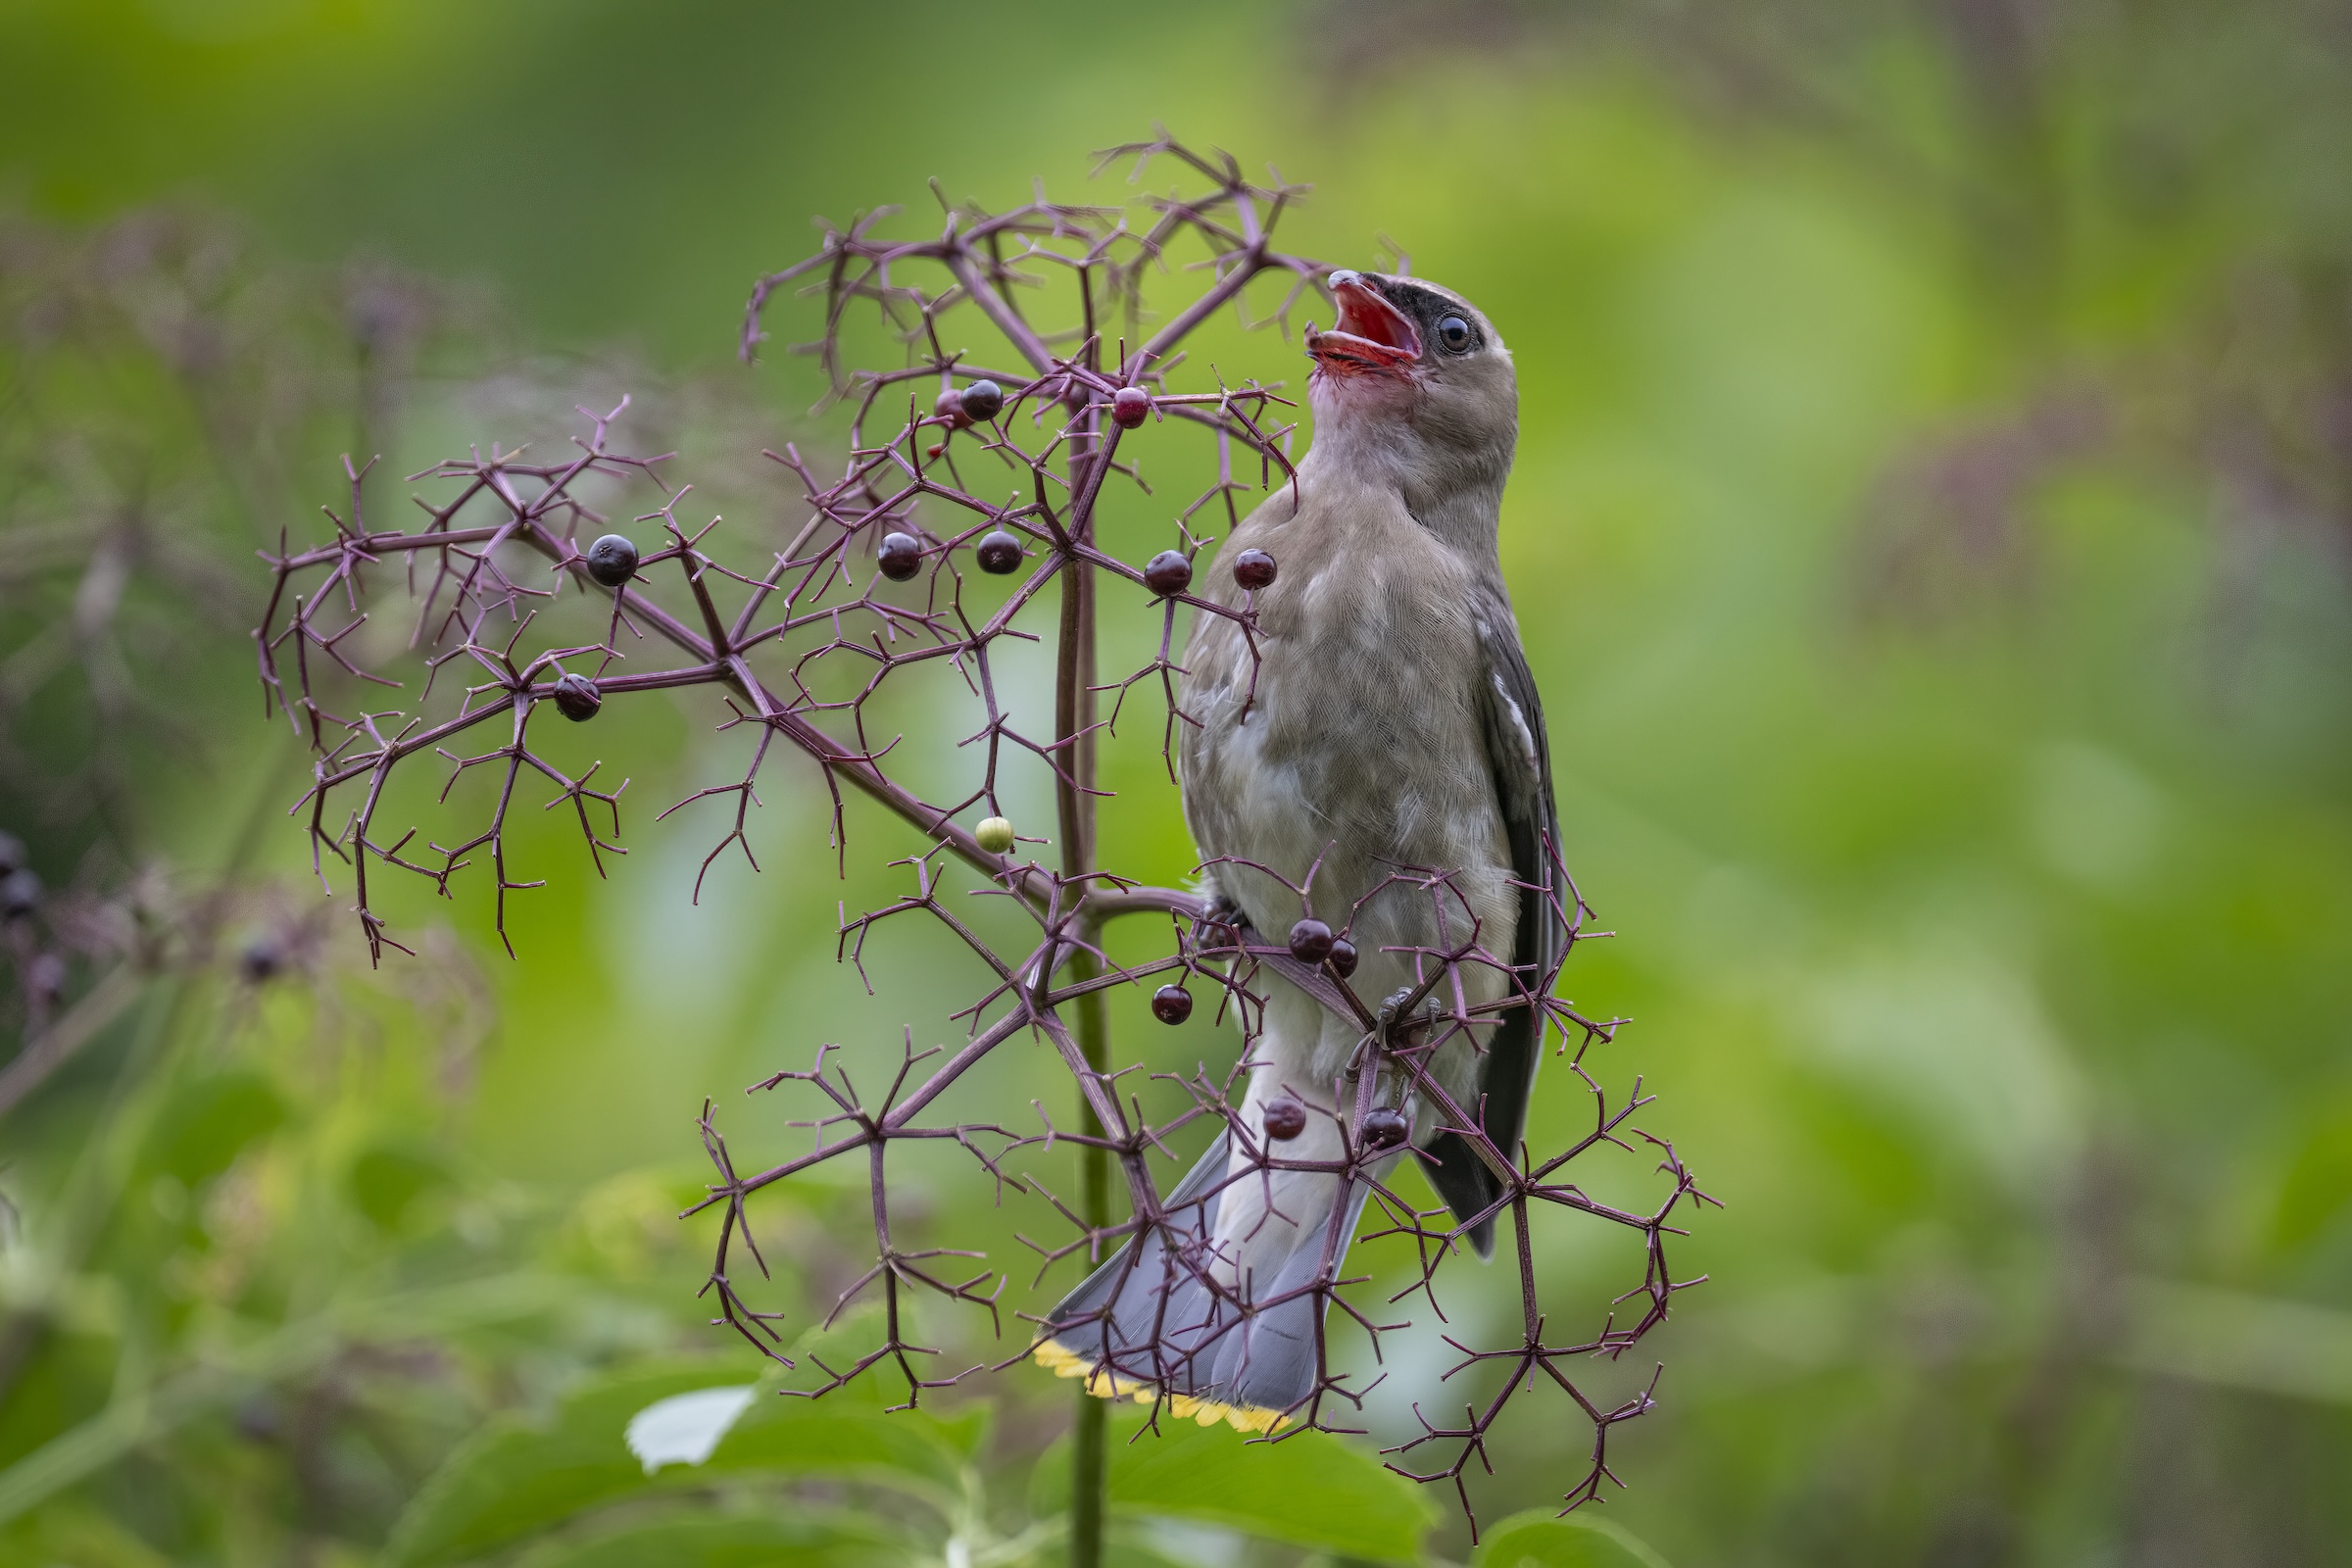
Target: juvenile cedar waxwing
1386,721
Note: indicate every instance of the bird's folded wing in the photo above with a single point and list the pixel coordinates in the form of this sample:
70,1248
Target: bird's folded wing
1519,759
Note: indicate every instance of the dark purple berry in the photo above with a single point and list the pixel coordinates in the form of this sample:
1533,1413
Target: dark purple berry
1385,1129
261,960
1310,940
998,553
1171,1005
1168,573
948,406
613,560
19,894
1285,1118
1342,957
1253,569
1130,407
899,557
983,401
577,698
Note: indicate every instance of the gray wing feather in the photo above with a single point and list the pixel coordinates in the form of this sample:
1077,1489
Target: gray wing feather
1519,755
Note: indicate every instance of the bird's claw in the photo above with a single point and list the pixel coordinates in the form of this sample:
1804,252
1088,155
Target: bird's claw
1396,1027
1220,925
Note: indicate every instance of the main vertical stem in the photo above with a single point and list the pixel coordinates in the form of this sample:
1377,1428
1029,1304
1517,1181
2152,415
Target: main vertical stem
1074,722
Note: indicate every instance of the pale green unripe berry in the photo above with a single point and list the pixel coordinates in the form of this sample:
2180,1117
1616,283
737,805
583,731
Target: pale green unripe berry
995,835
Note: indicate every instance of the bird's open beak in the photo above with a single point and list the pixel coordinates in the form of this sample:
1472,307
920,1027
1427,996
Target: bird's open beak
1372,338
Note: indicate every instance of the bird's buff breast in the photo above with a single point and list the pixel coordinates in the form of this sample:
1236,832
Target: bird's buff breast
1359,742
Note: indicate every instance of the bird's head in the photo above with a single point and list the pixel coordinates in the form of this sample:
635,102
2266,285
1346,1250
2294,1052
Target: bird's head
1411,377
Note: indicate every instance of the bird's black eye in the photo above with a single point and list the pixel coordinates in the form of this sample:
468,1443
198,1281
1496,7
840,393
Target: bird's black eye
1454,335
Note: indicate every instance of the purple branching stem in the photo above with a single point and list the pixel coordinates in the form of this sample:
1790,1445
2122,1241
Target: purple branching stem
799,645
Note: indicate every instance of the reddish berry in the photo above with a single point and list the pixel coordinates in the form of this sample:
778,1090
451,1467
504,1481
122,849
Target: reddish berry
998,553
983,401
1342,957
1310,940
948,406
1168,573
1253,569
899,557
1171,1005
1285,1118
1130,407
577,698
1385,1129
613,560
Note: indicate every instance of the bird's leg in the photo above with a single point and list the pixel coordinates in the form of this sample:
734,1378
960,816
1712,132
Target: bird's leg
1221,925
1222,914
1396,1031
1400,1030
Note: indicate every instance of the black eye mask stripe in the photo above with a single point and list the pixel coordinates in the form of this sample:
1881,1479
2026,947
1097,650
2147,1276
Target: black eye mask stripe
1428,307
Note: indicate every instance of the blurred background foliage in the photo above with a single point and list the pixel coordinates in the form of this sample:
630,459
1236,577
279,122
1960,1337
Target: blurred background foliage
1930,531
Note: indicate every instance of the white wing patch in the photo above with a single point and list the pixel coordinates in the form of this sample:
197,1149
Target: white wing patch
1527,736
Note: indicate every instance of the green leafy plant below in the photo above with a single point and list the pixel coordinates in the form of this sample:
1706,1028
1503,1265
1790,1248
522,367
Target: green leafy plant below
658,1464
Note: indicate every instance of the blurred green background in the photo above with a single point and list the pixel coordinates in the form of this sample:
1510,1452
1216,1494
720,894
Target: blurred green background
1929,532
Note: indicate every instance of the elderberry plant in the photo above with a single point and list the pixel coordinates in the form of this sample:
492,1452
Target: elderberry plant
1032,367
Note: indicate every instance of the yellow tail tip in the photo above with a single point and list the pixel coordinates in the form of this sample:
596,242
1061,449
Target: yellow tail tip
1103,1384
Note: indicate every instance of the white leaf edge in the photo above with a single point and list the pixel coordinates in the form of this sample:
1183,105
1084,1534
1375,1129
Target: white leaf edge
685,1427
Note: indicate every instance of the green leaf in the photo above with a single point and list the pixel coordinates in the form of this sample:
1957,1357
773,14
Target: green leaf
512,1479
1307,1490
515,1479
745,1541
209,1122
1539,1539
844,1434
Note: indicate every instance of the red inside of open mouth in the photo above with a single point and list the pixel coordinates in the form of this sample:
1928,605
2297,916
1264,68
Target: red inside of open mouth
1364,314
1371,335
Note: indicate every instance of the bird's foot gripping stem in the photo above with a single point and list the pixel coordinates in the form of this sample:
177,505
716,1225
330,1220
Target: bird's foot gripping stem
1395,1028
1221,925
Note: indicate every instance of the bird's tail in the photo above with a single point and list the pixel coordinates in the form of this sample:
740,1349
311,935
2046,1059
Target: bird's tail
1218,1310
